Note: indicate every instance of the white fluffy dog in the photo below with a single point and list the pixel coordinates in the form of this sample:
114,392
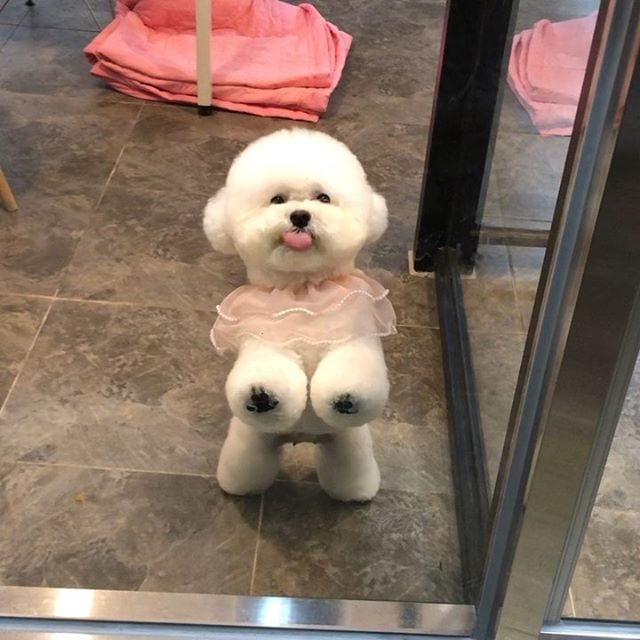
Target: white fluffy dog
297,209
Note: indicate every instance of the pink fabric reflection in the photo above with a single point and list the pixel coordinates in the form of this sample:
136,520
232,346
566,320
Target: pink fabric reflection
547,68
330,312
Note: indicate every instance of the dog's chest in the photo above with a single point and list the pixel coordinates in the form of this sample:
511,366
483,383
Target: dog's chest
310,356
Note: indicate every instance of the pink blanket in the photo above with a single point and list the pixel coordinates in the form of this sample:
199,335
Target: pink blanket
546,71
268,57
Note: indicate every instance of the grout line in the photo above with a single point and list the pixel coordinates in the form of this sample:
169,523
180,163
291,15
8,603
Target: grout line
118,303
291,481
138,305
117,162
494,332
24,15
512,270
572,602
26,357
91,218
115,303
13,31
71,465
524,329
126,303
431,327
93,15
255,554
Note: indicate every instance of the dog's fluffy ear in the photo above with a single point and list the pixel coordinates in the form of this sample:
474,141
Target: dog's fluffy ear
214,224
378,217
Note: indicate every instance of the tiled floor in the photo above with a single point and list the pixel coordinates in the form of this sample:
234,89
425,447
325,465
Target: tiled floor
112,411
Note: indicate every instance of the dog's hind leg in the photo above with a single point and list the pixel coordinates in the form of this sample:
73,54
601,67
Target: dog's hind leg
346,467
249,460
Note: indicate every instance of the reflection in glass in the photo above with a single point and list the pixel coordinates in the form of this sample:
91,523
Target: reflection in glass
522,187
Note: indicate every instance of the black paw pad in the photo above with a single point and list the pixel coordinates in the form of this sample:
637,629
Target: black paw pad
345,404
261,401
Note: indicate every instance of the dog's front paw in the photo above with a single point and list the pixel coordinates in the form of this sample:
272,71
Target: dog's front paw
261,401
346,404
270,394
350,385
347,408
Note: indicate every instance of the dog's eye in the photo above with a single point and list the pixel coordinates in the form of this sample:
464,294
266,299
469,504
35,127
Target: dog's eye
279,199
323,197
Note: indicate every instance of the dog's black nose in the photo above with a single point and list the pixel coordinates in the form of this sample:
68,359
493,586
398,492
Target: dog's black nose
300,219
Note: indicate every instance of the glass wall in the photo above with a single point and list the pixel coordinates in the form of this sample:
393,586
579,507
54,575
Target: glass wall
522,187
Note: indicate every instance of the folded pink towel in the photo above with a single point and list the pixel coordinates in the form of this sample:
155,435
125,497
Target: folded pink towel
546,71
268,57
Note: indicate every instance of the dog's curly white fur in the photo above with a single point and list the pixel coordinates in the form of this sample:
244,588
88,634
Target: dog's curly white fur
291,171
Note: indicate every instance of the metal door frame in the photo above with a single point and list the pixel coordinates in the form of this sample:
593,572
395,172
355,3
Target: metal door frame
88,611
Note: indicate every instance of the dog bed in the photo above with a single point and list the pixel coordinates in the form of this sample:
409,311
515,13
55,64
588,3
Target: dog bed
268,57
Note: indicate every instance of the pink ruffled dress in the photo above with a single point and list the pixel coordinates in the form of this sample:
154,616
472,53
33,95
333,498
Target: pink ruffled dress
331,312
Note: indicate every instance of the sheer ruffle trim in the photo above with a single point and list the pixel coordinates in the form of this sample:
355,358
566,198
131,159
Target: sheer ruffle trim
330,312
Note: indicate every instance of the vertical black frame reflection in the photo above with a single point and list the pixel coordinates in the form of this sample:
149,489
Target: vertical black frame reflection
475,51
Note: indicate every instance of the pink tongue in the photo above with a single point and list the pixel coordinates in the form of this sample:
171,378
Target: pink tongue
298,241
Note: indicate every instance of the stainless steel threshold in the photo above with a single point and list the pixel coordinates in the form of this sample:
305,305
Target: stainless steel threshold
88,612
113,631
571,629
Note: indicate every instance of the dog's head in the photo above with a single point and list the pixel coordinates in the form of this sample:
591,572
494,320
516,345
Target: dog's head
296,205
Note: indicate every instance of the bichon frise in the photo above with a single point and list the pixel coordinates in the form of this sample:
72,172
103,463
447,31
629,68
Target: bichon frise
297,209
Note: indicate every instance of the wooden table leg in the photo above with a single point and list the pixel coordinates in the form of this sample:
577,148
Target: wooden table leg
5,194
